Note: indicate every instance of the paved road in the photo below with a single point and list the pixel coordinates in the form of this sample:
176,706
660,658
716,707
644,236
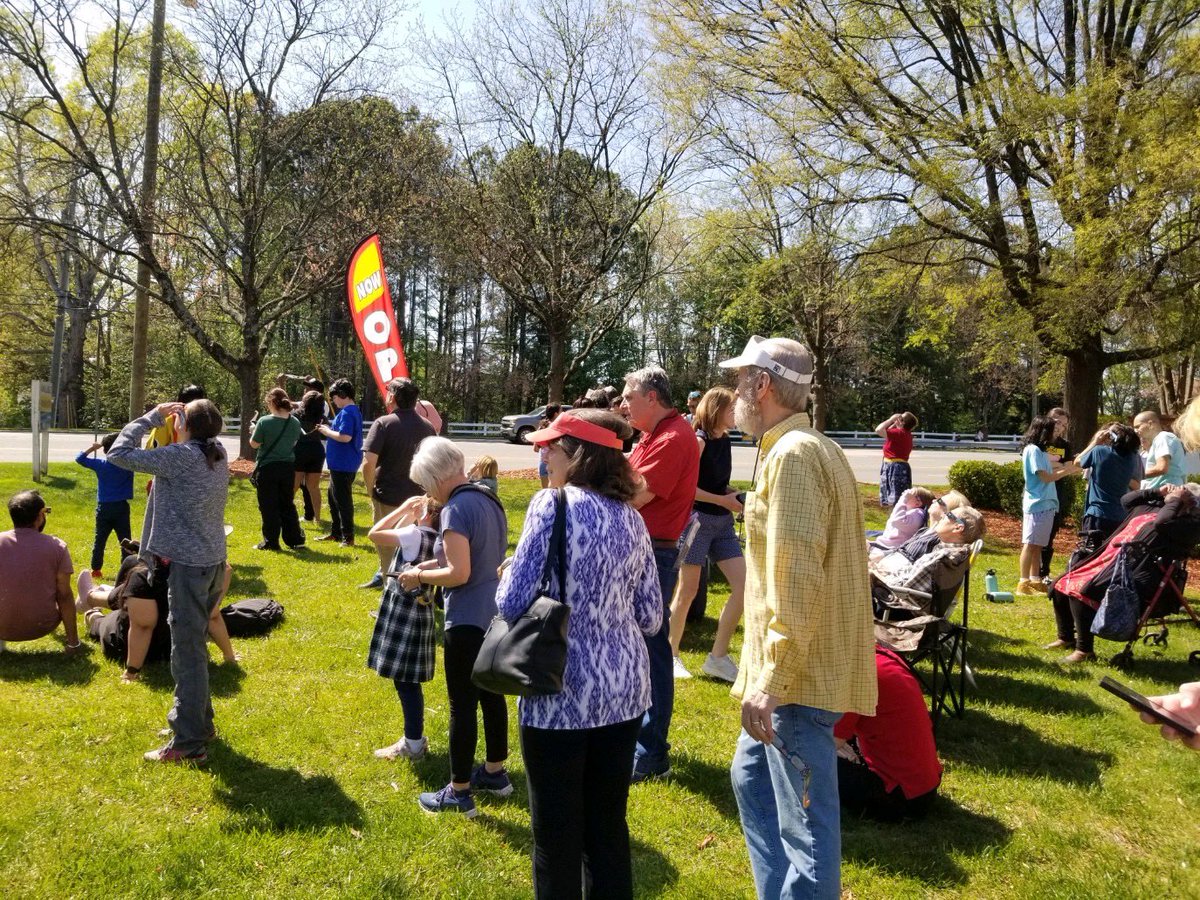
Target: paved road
929,466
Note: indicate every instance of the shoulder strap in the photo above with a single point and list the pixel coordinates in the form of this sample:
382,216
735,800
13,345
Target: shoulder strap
556,555
479,489
271,446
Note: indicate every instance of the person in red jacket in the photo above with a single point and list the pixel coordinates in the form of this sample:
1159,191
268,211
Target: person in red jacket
888,767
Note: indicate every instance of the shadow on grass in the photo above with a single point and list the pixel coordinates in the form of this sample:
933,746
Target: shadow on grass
1043,698
702,778
269,798
433,770
924,850
248,580
310,553
1167,667
984,742
48,665
652,871
223,680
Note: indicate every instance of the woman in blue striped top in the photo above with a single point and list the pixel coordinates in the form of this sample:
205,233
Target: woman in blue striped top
578,745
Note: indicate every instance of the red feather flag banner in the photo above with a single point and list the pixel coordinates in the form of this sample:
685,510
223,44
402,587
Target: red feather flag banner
374,317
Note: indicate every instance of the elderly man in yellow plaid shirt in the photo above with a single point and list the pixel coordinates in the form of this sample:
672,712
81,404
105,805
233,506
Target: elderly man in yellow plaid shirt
807,655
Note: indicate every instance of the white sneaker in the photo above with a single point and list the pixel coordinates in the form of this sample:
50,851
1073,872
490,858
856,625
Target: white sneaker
720,667
681,671
402,749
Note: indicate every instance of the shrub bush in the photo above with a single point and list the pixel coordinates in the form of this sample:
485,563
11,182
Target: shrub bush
977,480
1010,485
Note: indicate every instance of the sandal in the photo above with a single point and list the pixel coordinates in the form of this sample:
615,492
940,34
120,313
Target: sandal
1058,644
1077,657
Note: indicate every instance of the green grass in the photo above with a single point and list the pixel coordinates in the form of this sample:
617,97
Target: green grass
1051,787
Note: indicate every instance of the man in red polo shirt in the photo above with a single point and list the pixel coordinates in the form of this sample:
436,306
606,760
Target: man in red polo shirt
668,459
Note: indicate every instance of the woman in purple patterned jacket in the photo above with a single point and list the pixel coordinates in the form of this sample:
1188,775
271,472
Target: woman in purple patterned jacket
578,744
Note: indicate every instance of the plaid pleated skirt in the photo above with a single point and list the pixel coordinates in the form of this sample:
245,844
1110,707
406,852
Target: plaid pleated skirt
403,643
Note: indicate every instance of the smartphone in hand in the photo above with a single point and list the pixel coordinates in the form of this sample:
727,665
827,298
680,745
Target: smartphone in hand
1146,705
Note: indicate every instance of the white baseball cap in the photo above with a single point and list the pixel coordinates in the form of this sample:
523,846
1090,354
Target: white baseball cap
756,354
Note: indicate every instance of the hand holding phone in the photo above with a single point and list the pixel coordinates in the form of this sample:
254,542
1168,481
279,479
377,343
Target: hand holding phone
1172,712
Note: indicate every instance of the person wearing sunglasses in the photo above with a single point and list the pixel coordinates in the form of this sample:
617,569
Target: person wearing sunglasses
35,576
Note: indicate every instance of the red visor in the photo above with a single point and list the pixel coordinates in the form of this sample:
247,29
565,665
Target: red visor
567,424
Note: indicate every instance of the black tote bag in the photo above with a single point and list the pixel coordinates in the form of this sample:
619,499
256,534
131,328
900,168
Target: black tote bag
528,656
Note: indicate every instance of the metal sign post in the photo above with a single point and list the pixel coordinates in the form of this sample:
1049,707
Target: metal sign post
41,418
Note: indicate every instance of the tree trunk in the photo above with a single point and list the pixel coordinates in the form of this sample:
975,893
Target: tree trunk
558,367
820,391
70,390
1081,392
248,374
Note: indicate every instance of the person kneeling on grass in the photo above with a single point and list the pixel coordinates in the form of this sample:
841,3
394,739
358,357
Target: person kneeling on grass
888,767
136,630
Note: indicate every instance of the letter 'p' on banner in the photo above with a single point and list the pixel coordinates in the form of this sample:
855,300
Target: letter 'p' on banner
374,318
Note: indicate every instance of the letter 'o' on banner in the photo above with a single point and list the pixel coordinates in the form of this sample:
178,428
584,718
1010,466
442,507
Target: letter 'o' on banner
374,317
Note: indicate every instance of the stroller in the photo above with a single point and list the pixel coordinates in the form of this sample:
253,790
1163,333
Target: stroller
920,625
1158,538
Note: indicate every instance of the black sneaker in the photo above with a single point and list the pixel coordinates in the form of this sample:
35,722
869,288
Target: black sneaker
640,775
264,545
486,782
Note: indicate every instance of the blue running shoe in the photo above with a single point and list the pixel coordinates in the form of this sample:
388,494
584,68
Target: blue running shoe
486,782
449,800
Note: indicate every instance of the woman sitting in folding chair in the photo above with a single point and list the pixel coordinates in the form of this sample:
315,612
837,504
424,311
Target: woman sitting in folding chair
1162,527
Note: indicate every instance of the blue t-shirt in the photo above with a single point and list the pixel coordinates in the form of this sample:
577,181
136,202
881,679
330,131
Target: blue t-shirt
1039,495
1108,482
114,483
1166,444
481,520
345,457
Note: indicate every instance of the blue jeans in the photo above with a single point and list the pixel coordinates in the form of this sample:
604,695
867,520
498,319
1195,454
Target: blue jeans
794,852
652,746
192,592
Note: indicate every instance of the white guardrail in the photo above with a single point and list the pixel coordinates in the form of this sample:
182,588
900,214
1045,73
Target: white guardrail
925,440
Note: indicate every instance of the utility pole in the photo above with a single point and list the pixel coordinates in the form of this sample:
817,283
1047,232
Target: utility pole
63,295
141,306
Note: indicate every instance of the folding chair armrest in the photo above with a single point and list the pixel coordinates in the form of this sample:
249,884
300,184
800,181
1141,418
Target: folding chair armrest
910,592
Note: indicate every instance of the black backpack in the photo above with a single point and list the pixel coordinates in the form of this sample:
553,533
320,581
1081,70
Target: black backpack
250,618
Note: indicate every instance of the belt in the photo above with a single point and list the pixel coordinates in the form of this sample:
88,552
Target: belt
886,459
660,544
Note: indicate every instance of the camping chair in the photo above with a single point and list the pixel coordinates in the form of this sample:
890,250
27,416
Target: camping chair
1166,600
918,626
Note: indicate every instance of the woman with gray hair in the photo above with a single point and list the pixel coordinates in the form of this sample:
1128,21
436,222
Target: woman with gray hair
472,538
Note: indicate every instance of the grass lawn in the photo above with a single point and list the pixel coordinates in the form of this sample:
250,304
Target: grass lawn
1052,787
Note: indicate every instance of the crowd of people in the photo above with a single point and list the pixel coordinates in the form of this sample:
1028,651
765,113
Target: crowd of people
832,717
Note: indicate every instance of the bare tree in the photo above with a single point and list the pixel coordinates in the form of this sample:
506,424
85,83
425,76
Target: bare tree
565,155
248,228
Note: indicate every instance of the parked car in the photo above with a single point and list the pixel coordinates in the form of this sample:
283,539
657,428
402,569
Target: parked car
515,428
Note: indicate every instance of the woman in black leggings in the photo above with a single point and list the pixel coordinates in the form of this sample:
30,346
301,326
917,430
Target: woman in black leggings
472,537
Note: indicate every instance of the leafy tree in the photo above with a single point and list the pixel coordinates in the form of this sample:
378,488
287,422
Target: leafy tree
251,225
1053,143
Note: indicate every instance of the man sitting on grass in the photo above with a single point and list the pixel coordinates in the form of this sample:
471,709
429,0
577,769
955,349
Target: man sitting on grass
35,576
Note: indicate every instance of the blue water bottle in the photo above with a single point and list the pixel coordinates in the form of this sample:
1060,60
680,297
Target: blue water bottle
991,584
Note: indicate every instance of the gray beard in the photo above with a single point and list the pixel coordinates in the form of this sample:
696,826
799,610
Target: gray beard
747,415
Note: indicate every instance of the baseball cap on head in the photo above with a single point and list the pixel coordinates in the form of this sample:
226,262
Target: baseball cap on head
756,353
695,395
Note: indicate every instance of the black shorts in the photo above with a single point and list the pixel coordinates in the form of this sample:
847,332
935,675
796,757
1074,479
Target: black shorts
310,457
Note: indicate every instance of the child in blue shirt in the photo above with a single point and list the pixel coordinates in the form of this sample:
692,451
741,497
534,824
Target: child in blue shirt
1039,503
114,491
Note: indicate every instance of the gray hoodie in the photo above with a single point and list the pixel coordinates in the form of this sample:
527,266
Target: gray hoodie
185,513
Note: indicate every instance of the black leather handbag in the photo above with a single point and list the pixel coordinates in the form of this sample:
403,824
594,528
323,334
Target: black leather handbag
528,656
